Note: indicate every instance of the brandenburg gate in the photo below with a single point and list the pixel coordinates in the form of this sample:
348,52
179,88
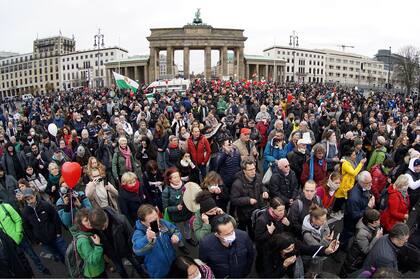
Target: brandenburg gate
197,36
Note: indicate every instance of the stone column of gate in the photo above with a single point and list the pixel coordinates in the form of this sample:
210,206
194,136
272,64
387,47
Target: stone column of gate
224,61
136,74
169,61
207,63
186,62
145,73
241,63
152,65
266,72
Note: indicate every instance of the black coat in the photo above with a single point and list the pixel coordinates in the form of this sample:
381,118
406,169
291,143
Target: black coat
42,221
117,237
285,187
261,233
13,262
383,254
296,161
241,193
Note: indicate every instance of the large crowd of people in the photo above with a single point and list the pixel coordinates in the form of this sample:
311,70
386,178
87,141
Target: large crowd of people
256,175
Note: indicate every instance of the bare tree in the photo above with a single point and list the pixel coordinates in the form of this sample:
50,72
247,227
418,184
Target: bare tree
407,67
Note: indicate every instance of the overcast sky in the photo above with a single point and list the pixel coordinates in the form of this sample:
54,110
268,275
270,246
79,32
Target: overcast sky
367,25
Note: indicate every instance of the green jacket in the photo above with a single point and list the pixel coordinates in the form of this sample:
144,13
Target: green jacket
221,106
11,223
200,229
170,200
91,254
378,156
118,164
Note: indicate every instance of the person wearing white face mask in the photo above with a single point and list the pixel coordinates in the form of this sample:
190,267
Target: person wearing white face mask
229,252
185,267
398,203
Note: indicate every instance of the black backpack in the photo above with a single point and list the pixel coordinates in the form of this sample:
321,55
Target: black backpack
383,201
74,263
256,214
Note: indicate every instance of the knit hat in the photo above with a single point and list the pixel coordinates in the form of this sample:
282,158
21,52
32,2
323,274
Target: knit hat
416,162
358,141
207,205
381,140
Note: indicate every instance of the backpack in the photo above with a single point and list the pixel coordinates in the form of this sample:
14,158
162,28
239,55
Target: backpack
383,201
74,263
256,214
300,205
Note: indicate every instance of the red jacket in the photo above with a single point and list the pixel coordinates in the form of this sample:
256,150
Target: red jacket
320,172
263,129
379,181
197,151
397,208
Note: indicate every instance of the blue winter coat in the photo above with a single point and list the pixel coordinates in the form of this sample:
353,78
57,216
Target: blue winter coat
64,210
271,154
227,166
158,254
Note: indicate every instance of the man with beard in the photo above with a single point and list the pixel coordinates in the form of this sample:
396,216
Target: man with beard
88,144
36,160
47,148
142,131
13,163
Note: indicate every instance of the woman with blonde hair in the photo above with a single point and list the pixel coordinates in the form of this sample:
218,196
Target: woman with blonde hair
100,192
130,196
398,203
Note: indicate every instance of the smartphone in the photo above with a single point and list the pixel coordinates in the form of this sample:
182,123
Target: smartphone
154,226
17,191
338,237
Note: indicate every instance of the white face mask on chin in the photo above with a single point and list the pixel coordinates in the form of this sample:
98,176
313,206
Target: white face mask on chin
230,238
198,276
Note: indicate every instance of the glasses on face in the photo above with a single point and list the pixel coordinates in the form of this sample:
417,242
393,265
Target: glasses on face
286,166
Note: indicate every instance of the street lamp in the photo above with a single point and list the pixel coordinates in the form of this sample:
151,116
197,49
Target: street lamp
389,68
98,38
294,41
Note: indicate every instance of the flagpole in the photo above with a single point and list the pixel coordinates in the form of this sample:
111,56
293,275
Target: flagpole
119,60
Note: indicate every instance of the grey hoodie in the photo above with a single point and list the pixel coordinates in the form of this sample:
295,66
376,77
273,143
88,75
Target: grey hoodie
313,236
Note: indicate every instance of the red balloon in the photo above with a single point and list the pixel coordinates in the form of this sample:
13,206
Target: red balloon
71,172
131,94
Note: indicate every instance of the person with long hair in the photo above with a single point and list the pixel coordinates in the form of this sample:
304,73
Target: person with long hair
326,190
349,171
153,184
185,267
271,221
172,201
214,184
161,141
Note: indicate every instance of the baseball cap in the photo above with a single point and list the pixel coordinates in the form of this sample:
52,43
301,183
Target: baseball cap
245,131
28,192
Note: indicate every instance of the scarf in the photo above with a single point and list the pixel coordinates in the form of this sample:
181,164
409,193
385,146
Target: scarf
173,146
127,154
54,179
134,188
176,187
273,215
312,167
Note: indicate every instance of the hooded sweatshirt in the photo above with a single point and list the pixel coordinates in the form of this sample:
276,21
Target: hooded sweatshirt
313,236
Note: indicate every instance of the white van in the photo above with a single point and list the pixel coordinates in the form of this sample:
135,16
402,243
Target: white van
27,97
178,85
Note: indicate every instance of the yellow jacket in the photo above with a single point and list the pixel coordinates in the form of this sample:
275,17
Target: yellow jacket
349,178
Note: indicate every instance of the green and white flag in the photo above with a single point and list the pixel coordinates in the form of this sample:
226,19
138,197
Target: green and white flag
125,82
